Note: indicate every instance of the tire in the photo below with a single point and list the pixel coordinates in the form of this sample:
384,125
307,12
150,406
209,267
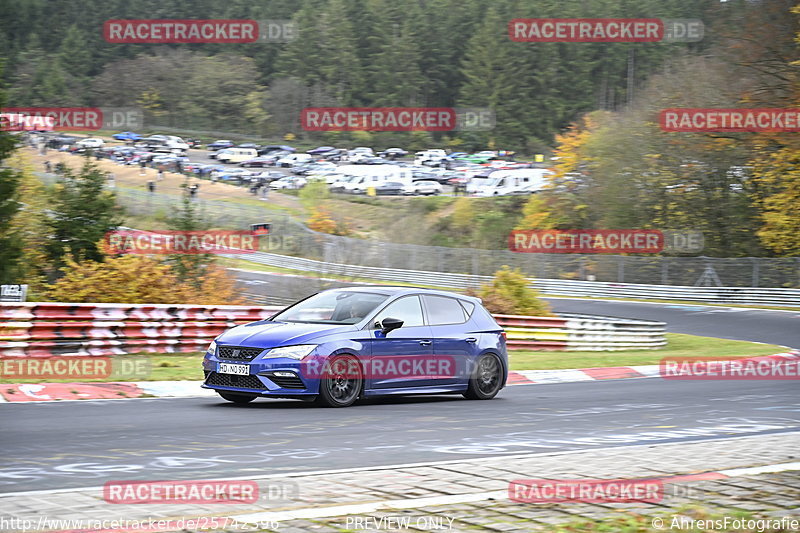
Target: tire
341,392
236,398
486,380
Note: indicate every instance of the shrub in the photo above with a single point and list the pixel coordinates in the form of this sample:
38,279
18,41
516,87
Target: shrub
509,294
139,279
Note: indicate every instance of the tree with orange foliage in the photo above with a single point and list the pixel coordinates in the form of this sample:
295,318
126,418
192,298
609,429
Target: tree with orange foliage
140,279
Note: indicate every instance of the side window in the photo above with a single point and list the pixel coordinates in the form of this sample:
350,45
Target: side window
408,309
443,310
469,307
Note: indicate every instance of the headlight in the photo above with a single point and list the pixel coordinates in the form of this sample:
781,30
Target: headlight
212,348
295,352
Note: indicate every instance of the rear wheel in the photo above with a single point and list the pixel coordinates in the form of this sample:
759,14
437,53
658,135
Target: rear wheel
486,380
236,398
342,382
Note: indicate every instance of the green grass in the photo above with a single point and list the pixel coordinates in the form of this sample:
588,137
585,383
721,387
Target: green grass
678,345
181,367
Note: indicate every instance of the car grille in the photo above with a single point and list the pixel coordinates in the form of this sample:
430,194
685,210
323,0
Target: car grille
238,353
230,380
287,383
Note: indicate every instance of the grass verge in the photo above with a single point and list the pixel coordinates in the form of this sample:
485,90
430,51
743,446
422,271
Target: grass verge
678,345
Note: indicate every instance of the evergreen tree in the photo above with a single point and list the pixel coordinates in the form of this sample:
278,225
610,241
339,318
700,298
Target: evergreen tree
82,212
10,242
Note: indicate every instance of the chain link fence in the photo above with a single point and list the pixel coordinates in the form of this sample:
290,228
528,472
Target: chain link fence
289,237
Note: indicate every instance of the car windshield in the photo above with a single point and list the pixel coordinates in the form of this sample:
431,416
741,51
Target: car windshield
336,307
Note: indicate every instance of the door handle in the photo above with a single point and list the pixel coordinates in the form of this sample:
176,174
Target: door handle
471,339
425,343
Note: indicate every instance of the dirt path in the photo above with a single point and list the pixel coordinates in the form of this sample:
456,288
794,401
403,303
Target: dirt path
129,176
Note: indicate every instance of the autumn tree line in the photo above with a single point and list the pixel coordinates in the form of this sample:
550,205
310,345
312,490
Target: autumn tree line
594,105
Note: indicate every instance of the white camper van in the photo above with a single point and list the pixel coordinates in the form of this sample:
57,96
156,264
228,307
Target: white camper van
356,179
236,155
520,181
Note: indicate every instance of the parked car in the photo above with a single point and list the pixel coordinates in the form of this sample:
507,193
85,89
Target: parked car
193,143
269,176
390,188
293,159
337,154
272,148
320,150
429,157
127,136
427,188
232,174
163,143
252,146
219,145
312,167
260,161
337,345
289,182
361,159
91,142
236,155
393,153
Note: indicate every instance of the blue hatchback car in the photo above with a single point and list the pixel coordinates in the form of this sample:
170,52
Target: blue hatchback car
340,345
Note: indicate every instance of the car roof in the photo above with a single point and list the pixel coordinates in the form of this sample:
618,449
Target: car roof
390,290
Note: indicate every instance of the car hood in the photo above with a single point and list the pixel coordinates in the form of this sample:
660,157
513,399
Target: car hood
267,334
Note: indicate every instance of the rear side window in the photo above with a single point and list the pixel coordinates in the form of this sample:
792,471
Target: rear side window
469,307
442,310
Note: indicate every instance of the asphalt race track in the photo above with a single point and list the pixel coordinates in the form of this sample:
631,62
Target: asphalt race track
86,443
55,445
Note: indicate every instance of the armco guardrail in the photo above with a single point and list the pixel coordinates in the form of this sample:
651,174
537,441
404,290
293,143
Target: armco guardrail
580,332
47,329
723,295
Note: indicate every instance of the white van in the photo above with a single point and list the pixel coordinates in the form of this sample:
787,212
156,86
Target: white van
236,155
429,156
292,160
521,181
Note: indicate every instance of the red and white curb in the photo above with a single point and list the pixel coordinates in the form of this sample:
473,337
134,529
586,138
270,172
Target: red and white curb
529,377
44,392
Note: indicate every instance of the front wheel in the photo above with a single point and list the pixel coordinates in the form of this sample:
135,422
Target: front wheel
341,383
236,398
487,379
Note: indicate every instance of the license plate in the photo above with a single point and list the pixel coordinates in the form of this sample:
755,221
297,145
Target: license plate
239,370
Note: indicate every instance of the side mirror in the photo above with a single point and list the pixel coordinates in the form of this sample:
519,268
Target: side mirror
389,324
